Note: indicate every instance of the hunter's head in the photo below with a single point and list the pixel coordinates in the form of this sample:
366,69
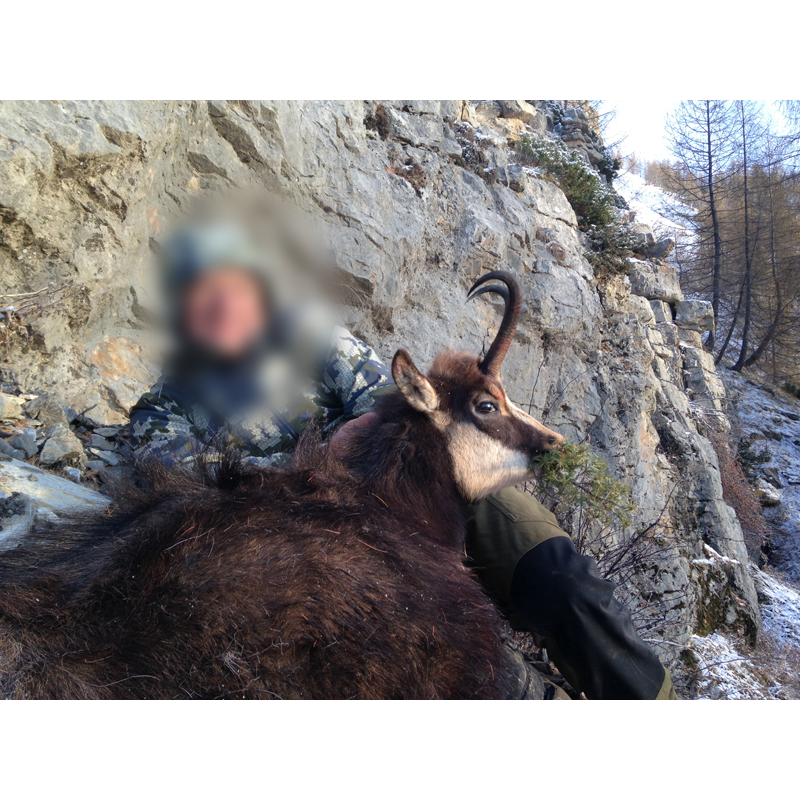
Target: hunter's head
217,290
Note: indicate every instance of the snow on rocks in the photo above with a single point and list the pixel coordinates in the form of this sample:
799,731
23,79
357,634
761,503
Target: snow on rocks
726,670
653,206
768,495
780,606
773,418
724,673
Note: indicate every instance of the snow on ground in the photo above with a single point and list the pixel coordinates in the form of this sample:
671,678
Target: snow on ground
724,673
780,607
653,206
726,669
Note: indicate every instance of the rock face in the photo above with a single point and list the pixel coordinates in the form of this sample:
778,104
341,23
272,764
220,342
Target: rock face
88,190
27,492
695,315
579,128
656,281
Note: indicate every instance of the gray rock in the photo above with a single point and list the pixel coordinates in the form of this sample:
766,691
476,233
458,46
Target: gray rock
487,111
702,380
101,443
660,249
61,445
25,442
577,114
517,109
9,407
16,514
36,492
661,311
641,308
539,122
112,459
47,410
696,315
669,333
467,113
414,129
73,474
8,450
515,175
773,475
643,234
655,281
95,465
107,432
768,495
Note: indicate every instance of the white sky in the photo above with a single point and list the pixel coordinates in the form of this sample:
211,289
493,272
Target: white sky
641,123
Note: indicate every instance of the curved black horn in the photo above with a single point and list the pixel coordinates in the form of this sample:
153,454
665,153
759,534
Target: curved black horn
505,334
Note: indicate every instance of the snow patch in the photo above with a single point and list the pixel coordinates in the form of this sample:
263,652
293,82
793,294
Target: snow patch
780,607
726,674
653,206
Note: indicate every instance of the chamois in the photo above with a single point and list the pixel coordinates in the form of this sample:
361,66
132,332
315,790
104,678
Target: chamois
327,578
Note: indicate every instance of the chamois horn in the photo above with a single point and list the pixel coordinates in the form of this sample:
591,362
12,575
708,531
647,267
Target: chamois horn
505,334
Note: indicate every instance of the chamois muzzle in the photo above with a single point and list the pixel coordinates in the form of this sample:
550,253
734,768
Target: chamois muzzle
505,335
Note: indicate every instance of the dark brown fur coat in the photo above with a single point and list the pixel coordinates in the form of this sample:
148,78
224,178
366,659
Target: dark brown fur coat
305,582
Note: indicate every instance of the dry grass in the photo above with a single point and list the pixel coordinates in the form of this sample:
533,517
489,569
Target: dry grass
738,493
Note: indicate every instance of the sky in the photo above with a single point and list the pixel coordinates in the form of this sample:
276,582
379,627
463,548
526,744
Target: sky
641,124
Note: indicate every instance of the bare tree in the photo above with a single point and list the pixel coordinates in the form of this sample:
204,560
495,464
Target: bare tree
749,127
700,136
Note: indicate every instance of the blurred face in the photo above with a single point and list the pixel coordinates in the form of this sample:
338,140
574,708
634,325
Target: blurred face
224,312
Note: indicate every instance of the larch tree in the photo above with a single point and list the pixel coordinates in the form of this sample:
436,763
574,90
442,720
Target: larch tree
700,134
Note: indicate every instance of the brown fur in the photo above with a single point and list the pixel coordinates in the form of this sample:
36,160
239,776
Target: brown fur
311,581
324,579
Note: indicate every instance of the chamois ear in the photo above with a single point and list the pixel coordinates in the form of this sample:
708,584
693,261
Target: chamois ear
413,385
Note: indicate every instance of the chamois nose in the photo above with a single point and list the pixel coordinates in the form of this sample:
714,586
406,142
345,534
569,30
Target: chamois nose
552,439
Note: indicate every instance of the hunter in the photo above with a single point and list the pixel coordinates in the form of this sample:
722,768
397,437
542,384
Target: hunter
247,368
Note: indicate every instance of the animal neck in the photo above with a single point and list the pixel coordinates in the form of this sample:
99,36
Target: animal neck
405,463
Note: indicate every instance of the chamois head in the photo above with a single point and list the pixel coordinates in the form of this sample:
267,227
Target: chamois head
492,442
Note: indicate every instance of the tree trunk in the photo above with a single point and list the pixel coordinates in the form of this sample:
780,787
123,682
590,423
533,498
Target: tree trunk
715,225
748,282
731,329
773,328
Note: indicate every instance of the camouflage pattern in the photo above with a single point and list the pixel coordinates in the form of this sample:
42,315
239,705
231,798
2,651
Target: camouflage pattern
170,424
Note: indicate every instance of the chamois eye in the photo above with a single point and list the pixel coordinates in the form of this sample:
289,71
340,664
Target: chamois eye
486,407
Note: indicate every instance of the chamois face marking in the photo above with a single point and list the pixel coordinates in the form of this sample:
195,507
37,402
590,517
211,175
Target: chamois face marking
492,443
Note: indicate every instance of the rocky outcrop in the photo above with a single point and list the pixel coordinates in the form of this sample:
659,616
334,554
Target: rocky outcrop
88,190
578,127
694,315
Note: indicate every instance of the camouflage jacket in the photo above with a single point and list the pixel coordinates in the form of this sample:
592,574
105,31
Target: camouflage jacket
176,420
